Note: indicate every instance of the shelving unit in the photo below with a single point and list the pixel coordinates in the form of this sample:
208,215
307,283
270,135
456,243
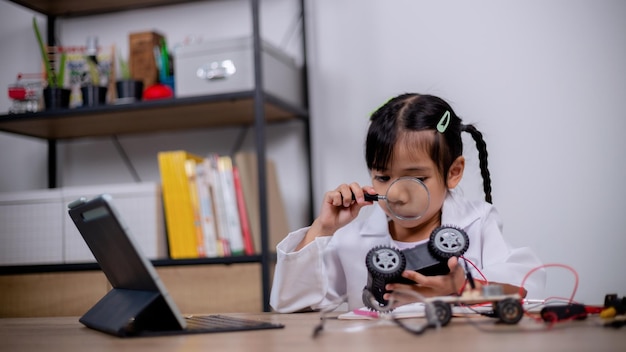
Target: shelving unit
253,108
52,268
149,116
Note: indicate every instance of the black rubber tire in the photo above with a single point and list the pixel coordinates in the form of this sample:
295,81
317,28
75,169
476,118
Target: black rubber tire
370,302
443,312
447,242
385,262
509,310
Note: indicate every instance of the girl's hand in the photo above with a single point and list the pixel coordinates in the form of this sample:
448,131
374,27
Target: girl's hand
338,209
430,286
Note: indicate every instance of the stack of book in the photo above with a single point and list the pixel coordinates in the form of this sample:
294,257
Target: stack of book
211,204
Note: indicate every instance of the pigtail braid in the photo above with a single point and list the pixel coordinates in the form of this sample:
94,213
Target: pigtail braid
481,146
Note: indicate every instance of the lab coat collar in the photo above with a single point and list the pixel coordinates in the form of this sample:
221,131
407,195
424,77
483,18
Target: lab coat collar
458,211
376,221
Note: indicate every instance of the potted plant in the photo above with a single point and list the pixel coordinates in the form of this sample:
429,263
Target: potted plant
55,95
128,89
93,92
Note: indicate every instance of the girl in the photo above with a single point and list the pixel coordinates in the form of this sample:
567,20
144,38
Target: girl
411,135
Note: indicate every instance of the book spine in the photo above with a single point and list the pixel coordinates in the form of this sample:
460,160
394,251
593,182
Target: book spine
278,225
223,243
248,243
179,214
190,170
207,215
234,235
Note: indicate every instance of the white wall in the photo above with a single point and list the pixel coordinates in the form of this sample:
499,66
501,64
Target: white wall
96,160
23,159
544,81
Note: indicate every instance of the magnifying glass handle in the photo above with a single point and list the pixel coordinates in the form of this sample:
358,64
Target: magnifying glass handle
368,197
371,197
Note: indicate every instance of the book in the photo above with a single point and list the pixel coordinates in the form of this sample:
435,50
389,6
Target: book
204,185
177,204
231,211
248,244
221,220
190,171
278,224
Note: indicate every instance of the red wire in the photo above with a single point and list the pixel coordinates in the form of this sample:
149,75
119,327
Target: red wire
551,318
475,267
571,299
550,322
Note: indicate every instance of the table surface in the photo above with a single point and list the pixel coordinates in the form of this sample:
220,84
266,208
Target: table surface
462,334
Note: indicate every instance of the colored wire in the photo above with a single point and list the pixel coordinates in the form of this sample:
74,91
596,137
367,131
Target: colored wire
571,299
476,268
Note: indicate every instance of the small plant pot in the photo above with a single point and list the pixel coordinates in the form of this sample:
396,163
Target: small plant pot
129,90
94,95
56,98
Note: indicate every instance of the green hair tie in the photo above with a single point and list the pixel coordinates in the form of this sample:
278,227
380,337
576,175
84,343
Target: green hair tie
381,105
444,122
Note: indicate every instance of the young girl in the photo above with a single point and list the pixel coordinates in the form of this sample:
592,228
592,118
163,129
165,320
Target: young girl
411,135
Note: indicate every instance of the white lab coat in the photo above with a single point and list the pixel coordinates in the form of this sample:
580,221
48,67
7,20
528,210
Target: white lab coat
319,274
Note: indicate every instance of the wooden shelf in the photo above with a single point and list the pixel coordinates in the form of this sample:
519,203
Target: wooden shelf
178,114
148,116
76,8
47,268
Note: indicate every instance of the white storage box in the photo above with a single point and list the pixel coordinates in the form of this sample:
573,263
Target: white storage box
31,227
140,207
35,227
227,66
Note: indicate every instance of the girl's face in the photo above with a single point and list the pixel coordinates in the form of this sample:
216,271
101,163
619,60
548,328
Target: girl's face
412,159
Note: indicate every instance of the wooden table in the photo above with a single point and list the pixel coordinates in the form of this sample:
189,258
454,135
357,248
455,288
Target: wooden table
462,334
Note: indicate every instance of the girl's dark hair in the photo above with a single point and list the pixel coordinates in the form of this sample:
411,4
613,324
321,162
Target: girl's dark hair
415,112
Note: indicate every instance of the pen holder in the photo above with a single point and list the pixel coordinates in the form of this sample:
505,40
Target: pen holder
129,90
56,98
93,95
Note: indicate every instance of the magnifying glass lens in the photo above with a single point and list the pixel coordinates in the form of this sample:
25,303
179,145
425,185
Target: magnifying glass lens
407,198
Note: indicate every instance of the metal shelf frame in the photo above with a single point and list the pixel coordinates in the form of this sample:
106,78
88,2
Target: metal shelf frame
255,108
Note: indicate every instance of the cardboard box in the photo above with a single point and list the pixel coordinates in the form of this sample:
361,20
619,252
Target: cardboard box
35,227
227,66
142,63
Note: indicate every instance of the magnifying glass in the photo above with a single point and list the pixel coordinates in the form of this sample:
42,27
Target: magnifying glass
407,198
